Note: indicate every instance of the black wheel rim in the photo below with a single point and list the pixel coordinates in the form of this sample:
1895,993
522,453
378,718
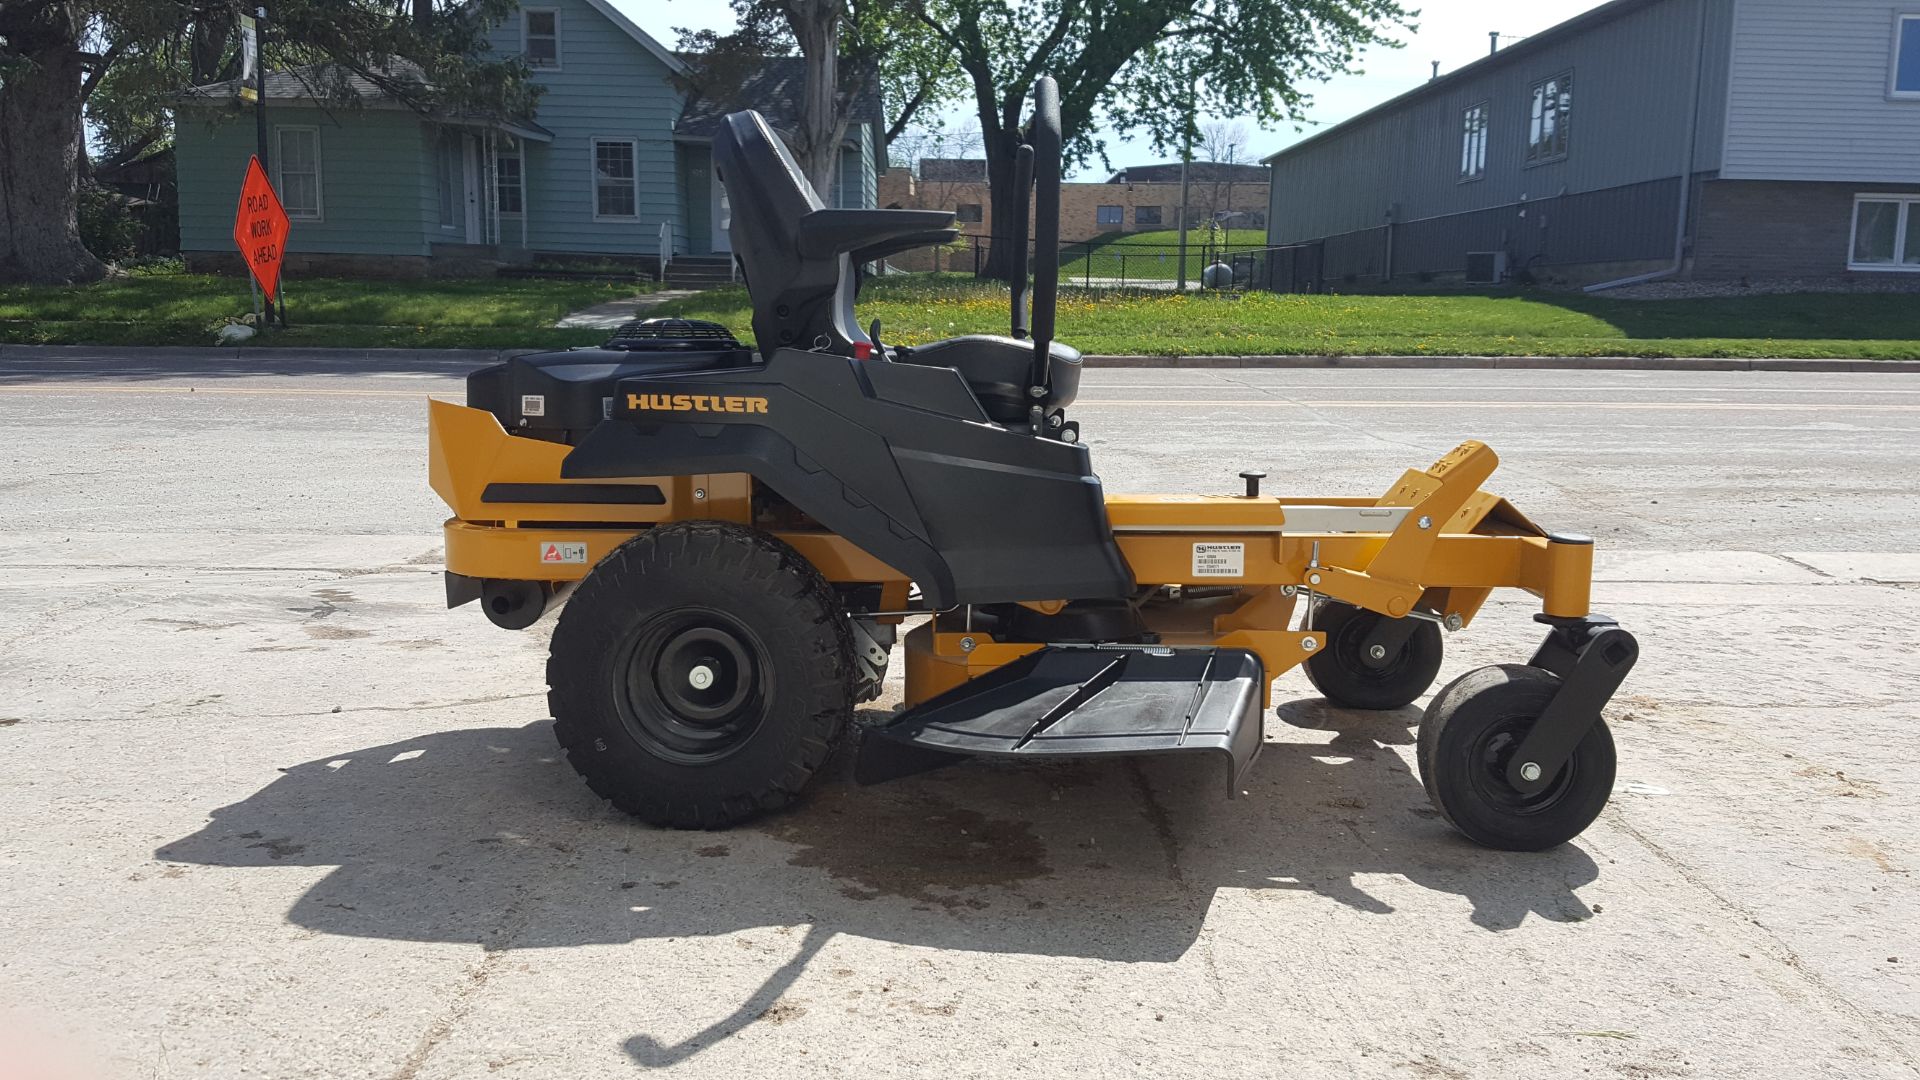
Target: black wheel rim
1347,645
1487,770
692,685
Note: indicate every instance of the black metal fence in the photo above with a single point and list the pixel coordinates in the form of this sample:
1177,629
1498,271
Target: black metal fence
1109,263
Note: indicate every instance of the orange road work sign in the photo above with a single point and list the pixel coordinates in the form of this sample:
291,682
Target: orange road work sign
260,228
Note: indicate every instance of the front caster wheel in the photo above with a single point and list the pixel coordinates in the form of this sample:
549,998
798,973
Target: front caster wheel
1471,730
1355,670
700,675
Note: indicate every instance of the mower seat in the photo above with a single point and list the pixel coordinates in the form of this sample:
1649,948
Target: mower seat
997,369
799,257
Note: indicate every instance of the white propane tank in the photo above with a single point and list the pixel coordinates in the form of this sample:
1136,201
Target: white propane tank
1217,276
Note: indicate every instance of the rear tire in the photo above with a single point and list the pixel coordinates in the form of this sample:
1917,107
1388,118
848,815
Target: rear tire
1344,676
700,675
1468,737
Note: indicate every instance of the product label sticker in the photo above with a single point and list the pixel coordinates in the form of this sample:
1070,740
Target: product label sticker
559,552
1219,560
533,405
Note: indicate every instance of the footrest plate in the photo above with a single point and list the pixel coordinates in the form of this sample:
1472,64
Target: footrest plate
1069,701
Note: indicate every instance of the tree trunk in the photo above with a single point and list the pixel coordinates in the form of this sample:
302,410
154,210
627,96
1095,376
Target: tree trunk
823,123
1001,134
40,149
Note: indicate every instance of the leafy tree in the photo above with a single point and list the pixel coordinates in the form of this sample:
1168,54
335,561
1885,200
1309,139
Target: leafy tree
1147,66
850,48
57,55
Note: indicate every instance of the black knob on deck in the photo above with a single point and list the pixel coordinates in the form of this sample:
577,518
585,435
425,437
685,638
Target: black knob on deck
1253,483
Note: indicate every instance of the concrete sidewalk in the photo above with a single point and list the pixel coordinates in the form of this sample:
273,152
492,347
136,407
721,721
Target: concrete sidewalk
264,359
617,313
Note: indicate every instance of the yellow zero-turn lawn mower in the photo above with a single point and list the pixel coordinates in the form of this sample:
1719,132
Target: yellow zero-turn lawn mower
741,532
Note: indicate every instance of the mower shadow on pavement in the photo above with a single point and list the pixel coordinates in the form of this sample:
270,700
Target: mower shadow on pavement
485,836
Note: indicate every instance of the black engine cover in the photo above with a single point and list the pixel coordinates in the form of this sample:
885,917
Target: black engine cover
897,458
573,390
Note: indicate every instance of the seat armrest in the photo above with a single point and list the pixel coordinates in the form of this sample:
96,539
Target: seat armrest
876,252
824,234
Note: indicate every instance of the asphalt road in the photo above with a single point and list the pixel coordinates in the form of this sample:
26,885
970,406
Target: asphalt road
269,810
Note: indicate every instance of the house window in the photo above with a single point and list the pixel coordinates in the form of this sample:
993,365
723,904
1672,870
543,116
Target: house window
1110,215
1906,56
1886,233
1473,143
1146,215
616,192
848,193
509,184
1551,119
969,213
542,37
296,165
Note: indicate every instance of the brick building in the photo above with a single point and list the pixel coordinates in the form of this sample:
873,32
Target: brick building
1088,210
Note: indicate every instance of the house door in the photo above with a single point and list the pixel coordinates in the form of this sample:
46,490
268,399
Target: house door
722,241
470,167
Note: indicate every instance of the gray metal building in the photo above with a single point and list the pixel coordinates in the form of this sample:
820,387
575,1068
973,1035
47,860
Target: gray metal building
1713,139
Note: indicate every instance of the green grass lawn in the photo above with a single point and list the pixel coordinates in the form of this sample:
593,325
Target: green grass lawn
1149,256
913,310
184,309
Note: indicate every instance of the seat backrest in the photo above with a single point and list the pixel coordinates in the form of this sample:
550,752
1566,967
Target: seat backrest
796,299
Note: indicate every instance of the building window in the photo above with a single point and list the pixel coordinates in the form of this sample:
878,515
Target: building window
1473,143
1906,56
296,165
1550,120
968,213
1886,233
849,193
1146,215
616,191
542,37
1110,215
509,182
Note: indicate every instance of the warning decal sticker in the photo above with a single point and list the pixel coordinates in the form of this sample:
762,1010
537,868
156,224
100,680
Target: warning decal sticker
533,404
1219,560
558,552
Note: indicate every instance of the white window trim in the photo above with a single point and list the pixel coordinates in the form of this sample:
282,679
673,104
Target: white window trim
1903,229
1535,162
1486,133
521,156
593,176
1900,21
319,183
559,49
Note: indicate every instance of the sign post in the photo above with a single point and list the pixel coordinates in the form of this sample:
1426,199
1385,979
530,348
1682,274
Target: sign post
253,69
260,228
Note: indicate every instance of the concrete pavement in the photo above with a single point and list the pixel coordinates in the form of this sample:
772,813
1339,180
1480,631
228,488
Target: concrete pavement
270,809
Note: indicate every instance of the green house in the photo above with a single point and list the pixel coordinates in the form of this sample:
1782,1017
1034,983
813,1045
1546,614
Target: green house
614,164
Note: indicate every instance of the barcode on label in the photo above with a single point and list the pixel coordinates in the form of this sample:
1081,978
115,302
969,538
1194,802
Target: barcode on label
1219,560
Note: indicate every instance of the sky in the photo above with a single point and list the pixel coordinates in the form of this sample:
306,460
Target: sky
1454,32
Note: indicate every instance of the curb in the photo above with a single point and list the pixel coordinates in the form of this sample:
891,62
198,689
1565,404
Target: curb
415,358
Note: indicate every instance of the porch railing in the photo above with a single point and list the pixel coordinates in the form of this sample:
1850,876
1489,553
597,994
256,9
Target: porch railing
666,247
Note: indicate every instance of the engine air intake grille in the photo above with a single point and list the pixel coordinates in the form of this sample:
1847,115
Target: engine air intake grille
655,335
